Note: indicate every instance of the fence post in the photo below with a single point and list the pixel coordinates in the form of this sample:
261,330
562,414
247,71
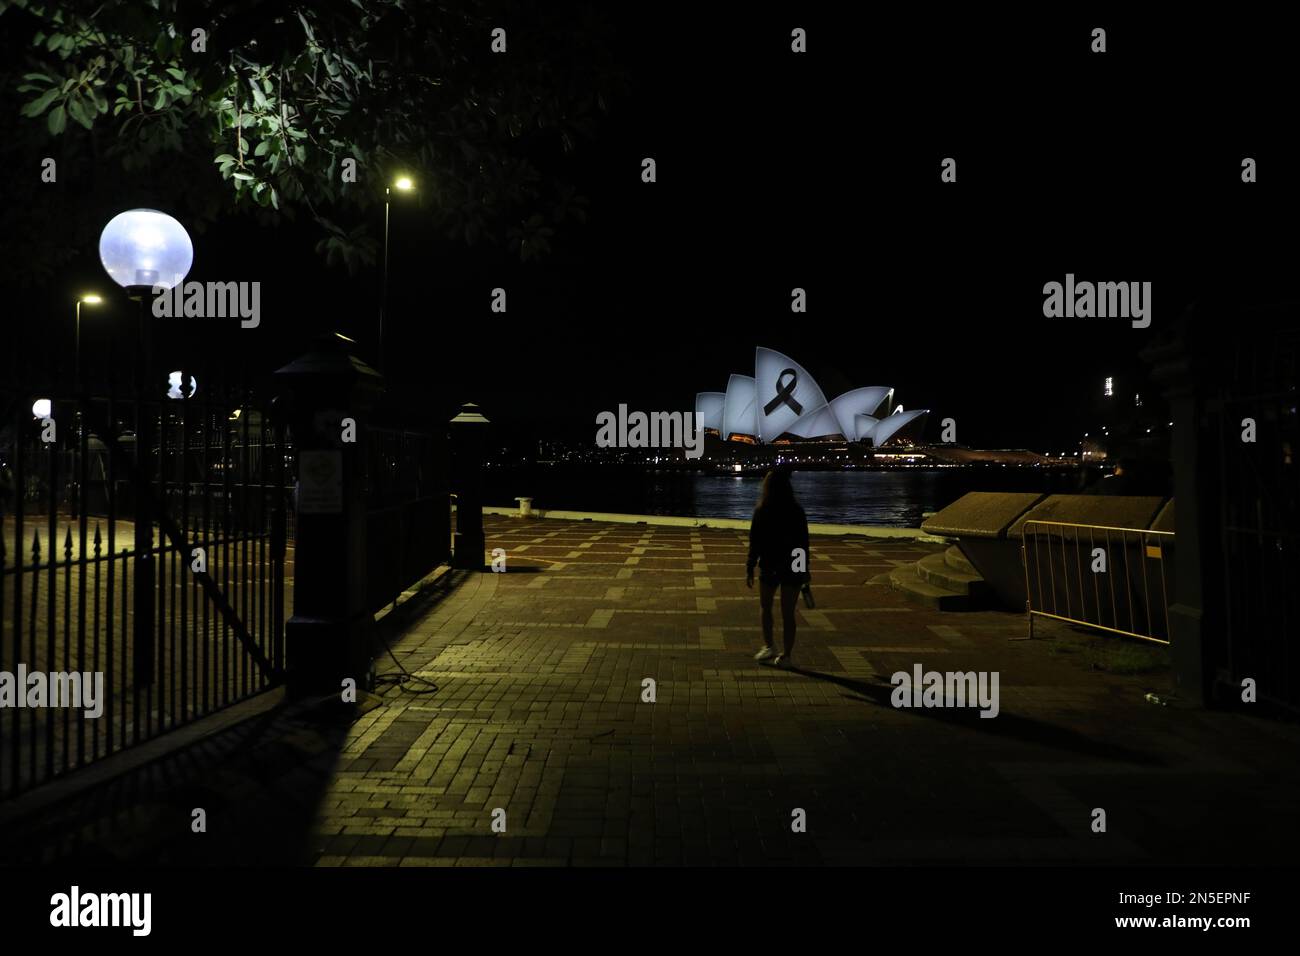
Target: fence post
329,394
469,442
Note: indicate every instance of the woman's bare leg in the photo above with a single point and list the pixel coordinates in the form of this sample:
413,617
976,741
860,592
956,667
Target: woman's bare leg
766,592
789,597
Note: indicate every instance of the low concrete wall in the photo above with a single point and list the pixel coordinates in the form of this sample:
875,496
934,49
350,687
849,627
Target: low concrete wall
674,521
989,526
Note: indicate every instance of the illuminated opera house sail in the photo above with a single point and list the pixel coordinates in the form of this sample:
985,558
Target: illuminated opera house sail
783,402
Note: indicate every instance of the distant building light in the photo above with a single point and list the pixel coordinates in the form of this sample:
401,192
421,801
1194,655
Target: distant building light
1110,385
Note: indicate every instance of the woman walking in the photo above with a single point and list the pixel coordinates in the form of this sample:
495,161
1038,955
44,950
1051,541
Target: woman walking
778,545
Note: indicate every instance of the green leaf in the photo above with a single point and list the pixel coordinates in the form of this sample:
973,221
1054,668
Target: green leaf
175,74
58,119
78,110
244,176
39,105
263,148
160,101
224,158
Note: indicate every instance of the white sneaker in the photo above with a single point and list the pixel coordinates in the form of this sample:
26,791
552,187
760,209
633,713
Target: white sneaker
764,653
783,661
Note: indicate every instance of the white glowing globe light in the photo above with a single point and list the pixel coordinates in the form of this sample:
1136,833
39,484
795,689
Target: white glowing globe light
41,408
174,386
145,247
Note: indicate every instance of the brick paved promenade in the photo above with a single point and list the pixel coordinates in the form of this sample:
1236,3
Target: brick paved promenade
539,713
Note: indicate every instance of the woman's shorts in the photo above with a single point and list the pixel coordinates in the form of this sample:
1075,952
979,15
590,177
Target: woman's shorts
786,579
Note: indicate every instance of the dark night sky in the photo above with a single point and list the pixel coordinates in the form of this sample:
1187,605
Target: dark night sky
821,171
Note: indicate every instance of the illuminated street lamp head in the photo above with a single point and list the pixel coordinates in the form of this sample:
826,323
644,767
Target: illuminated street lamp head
174,386
41,408
145,247
404,183
91,299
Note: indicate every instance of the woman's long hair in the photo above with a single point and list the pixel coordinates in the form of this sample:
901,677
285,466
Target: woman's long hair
777,497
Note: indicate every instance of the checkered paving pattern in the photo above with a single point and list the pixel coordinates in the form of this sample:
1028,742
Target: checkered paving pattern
540,714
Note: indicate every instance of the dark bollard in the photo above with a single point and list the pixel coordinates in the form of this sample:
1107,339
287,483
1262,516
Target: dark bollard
469,443
329,394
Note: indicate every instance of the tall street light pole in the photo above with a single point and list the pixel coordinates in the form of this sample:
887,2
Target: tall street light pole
142,250
404,184
90,299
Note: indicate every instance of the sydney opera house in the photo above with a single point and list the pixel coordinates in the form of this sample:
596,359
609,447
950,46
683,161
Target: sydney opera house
782,402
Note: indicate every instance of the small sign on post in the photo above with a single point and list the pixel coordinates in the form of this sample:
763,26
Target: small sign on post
320,482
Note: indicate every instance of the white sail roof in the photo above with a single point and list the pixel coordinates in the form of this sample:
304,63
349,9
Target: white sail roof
784,393
857,401
708,409
888,426
738,407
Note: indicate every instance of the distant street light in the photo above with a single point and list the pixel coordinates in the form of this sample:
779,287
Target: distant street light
402,184
41,408
89,299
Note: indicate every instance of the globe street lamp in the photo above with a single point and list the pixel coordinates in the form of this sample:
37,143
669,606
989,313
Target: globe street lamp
402,184
142,248
174,389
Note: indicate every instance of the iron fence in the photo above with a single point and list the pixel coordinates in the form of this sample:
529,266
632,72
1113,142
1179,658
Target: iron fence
144,543
408,527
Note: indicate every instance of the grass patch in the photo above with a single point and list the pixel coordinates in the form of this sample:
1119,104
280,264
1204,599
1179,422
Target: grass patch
1105,652
1118,656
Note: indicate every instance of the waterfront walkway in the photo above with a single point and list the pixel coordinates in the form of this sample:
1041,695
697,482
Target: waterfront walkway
539,712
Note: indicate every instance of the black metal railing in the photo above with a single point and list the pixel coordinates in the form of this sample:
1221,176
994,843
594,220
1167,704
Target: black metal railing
154,566
408,529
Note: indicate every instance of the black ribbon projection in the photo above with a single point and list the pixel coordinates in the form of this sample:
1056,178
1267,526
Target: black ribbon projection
785,393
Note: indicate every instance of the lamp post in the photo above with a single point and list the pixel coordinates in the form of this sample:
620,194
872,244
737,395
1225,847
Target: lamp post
141,250
89,299
469,442
402,184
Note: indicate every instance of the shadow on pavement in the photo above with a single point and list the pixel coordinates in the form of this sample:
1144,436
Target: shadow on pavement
1024,729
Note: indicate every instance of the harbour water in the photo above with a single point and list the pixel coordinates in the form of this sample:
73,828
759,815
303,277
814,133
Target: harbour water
890,498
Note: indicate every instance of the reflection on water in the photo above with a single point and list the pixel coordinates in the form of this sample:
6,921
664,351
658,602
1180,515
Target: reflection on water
887,498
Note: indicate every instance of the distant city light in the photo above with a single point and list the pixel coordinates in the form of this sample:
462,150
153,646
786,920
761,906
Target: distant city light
1110,385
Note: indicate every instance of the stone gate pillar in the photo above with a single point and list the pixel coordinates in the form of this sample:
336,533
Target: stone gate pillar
329,393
